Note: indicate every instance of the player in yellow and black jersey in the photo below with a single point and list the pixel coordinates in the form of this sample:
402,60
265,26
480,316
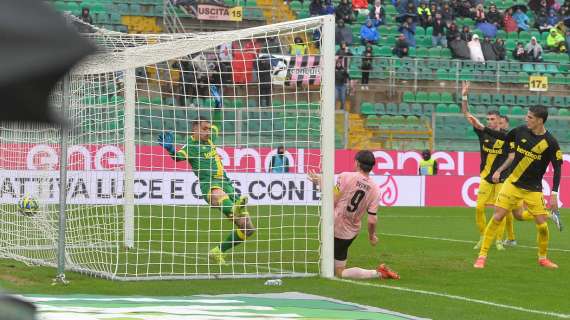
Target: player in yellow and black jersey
493,155
531,148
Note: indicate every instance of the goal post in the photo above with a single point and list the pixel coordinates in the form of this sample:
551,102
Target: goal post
138,210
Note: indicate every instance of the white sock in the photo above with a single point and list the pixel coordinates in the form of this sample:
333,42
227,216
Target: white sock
359,273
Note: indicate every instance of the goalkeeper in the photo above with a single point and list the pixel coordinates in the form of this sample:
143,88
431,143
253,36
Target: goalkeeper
217,188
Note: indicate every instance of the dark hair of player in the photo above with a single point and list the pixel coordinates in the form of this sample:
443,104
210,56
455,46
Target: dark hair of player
494,113
198,120
505,117
540,112
366,160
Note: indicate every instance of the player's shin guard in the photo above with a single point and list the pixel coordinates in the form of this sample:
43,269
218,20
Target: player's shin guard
226,206
542,239
239,235
510,226
490,233
501,230
480,218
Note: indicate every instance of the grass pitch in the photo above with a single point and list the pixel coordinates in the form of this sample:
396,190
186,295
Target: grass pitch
431,248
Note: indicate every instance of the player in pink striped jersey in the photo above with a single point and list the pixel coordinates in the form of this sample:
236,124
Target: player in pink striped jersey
355,195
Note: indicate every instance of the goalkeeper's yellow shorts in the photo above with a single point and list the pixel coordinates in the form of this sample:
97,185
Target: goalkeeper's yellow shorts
511,197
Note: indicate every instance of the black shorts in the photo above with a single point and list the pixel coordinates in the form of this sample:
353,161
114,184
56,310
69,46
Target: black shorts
341,248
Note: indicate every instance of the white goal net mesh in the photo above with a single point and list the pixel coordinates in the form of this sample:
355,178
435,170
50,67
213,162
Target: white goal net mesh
139,209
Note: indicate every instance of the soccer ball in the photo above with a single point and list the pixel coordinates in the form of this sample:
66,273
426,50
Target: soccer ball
28,205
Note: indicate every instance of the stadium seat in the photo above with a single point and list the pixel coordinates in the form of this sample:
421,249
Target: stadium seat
409,97
373,121
428,109
485,98
532,100
517,111
422,97
379,108
558,101
366,108
497,99
446,97
480,109
473,98
391,108
442,108
564,113
545,100
434,97
404,109
416,109
509,99
552,111
454,108
504,110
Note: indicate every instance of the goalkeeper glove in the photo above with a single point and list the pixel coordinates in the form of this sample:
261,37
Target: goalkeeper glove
216,94
166,140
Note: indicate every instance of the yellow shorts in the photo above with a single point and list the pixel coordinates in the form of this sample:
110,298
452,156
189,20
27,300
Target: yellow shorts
511,197
488,193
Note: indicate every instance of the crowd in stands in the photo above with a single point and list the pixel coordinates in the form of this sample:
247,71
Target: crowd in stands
440,16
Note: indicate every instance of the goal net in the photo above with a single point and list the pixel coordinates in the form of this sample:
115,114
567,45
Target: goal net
217,204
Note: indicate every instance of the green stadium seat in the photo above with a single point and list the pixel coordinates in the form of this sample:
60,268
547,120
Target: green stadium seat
551,68
545,100
564,113
497,99
473,98
558,102
428,109
404,109
517,111
532,100
373,121
509,99
391,108
442,108
434,97
521,100
409,97
367,108
416,109
379,108
446,97
422,97
480,109
528,68
539,68
504,110
485,98
454,108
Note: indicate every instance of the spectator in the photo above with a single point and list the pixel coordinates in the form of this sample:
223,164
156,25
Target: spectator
298,48
555,41
452,33
509,22
466,34
264,78
488,49
519,53
361,6
499,48
328,8
377,13
552,18
341,80
533,51
433,8
427,166
344,12
408,28
85,16
343,33
272,45
411,9
494,16
459,48
279,162
541,22
438,36
479,16
316,8
225,58
475,50
344,54
368,33
366,67
424,14
401,49
447,14
521,19
464,10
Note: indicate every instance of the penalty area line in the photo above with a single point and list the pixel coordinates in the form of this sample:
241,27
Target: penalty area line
459,298
457,240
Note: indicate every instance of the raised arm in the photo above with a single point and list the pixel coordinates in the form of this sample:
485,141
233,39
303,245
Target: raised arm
166,140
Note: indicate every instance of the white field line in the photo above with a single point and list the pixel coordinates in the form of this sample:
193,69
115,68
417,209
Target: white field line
460,298
457,240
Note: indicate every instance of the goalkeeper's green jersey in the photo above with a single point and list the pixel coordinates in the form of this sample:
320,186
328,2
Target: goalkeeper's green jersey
204,158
